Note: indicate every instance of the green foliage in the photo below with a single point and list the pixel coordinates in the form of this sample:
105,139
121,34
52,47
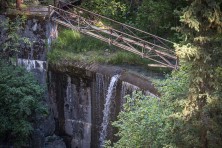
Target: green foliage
201,48
19,103
74,41
153,16
10,37
175,87
72,46
110,8
141,122
123,57
149,121
174,91
218,84
149,15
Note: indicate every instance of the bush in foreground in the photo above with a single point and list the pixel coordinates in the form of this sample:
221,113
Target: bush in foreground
20,97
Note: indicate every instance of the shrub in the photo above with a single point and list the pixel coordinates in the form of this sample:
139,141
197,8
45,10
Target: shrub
141,123
19,102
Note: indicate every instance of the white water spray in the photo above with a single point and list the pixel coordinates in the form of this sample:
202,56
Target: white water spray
32,64
106,111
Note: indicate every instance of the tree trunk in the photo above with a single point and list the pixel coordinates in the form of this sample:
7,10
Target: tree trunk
202,102
18,4
56,3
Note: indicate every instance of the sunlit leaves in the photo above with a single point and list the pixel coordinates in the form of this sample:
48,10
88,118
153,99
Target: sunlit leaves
202,49
140,122
187,51
189,19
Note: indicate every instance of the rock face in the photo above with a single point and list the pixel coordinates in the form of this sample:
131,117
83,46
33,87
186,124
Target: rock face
78,93
44,126
40,32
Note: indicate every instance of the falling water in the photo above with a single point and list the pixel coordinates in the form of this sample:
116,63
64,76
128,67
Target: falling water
32,64
100,90
127,89
52,33
106,111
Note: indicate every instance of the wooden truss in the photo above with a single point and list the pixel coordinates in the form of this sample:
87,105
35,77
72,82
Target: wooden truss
120,35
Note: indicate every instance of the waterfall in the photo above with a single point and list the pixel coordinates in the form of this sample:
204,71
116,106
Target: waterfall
128,88
32,64
99,89
37,67
52,33
106,111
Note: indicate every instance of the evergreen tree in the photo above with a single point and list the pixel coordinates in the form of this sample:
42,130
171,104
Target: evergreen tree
201,118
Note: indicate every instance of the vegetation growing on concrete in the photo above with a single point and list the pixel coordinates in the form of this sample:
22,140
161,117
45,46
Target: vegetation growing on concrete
73,46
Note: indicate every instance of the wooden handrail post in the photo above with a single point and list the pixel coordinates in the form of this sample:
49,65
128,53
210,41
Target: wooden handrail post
49,10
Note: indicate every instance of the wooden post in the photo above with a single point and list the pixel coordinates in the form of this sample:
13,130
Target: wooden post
18,4
49,10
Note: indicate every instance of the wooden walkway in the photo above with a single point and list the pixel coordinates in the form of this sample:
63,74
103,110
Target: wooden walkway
120,35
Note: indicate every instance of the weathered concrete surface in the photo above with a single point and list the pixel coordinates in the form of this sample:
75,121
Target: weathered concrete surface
87,70
78,91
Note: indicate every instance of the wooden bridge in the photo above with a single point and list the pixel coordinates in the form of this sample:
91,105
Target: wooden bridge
131,39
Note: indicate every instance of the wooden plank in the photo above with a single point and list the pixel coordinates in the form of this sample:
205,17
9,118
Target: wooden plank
157,65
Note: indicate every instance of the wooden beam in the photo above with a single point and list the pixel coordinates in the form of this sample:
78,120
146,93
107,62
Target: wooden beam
157,65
